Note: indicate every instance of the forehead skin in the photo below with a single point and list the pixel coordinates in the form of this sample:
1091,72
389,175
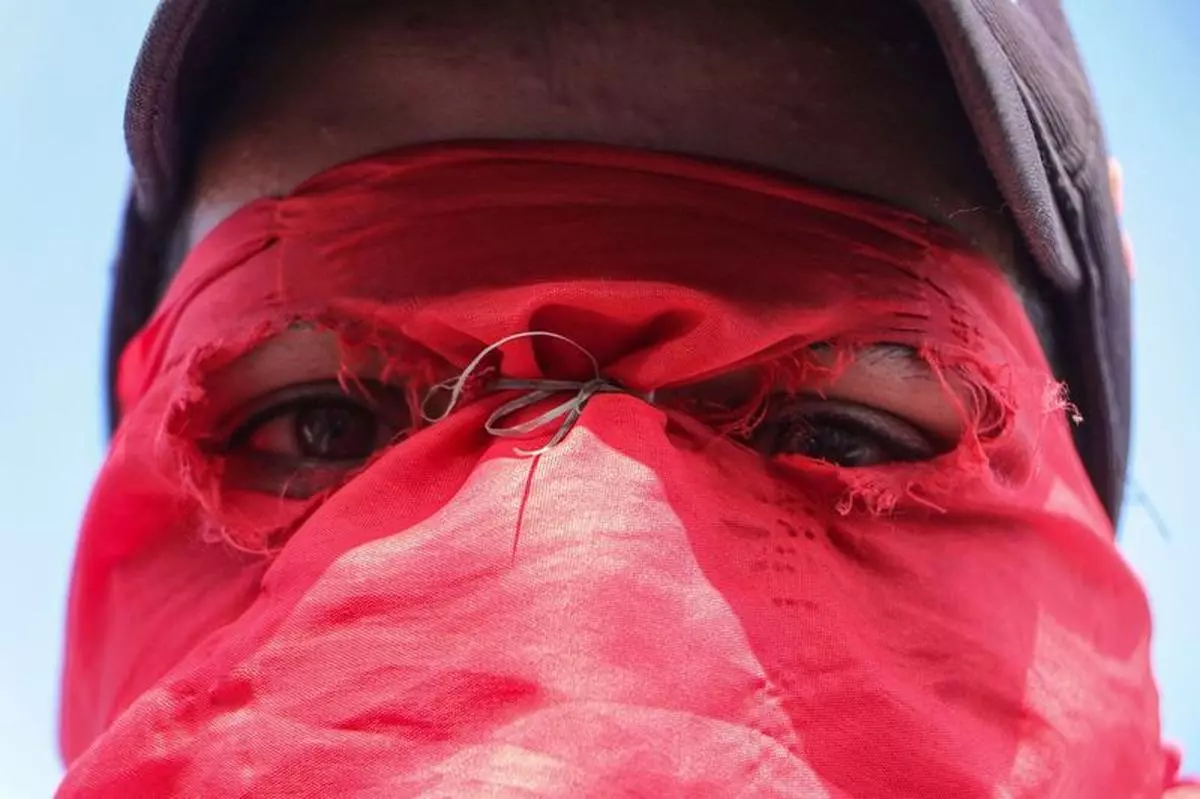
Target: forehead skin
853,95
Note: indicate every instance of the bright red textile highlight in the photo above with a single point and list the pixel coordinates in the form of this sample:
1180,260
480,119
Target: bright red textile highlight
650,607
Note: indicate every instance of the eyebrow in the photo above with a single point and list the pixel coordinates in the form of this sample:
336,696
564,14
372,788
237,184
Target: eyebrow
898,361
900,358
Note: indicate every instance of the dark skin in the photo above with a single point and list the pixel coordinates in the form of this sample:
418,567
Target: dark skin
853,95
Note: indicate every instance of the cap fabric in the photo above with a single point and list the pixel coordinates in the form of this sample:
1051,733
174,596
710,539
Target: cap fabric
1020,80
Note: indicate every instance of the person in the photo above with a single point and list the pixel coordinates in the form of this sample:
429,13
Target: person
649,397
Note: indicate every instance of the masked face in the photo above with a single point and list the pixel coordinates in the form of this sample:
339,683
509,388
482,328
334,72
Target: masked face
804,516
738,565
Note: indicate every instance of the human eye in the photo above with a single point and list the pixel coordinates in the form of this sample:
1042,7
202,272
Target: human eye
303,439
840,433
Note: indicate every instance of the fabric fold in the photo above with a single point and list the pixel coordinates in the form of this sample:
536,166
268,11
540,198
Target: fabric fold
650,605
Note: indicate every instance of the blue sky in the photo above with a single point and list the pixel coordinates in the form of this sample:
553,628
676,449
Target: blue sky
63,71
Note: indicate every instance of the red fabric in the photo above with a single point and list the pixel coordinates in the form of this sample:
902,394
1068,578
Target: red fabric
650,607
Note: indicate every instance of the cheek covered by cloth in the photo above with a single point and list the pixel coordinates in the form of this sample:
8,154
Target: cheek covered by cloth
647,608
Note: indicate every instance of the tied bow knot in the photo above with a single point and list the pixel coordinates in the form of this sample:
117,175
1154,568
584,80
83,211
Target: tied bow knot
535,391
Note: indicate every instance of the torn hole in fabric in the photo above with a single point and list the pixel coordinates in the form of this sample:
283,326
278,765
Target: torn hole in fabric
233,504
1000,413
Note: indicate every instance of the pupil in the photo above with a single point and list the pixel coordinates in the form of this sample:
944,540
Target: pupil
336,432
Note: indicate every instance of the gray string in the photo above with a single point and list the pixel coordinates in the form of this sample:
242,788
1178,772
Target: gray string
536,390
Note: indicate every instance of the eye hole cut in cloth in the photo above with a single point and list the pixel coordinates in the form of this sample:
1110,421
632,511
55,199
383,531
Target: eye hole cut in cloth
535,391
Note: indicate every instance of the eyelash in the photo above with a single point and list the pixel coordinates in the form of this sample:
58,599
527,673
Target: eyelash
792,423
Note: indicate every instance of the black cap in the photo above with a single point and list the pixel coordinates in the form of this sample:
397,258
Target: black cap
1018,75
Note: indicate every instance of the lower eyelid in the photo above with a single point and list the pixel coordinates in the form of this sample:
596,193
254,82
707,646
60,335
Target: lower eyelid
267,474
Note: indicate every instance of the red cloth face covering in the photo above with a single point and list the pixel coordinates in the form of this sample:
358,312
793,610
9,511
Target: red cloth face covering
649,607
